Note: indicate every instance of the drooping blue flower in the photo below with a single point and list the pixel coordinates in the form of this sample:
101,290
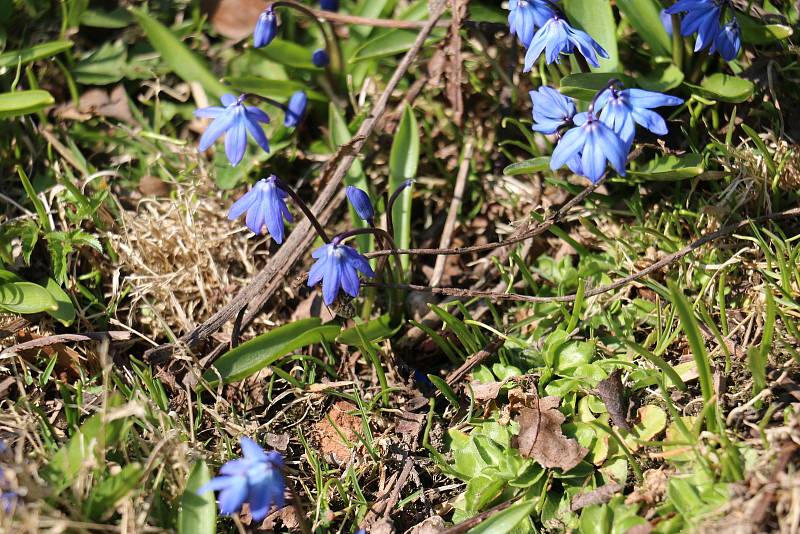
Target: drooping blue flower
337,266
295,109
256,479
557,37
361,203
266,28
702,17
329,5
622,108
551,110
525,16
595,143
666,21
8,497
728,41
320,58
235,120
265,205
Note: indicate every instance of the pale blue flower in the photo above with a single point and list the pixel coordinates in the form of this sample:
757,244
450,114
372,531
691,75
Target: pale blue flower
265,205
266,28
551,110
526,15
557,37
235,120
622,108
702,17
295,109
337,266
595,144
361,203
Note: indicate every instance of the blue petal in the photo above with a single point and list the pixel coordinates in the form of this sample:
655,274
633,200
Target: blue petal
639,98
252,450
236,140
233,496
211,112
228,99
242,205
255,216
258,134
350,282
238,467
615,150
256,114
571,143
214,130
274,217
216,483
317,271
650,120
331,281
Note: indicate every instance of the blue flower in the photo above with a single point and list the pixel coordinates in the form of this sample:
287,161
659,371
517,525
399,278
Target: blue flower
329,5
266,29
234,120
526,15
265,205
8,497
595,143
728,41
320,58
295,109
551,110
702,17
338,266
666,21
360,201
256,479
557,37
622,108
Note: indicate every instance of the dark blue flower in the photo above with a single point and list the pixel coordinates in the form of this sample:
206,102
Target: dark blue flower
266,29
234,120
338,266
595,143
329,5
525,16
265,205
295,109
622,108
320,58
256,479
702,17
728,41
360,201
551,110
557,37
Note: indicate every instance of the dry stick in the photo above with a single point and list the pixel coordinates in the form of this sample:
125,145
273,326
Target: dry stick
455,205
114,335
675,256
264,284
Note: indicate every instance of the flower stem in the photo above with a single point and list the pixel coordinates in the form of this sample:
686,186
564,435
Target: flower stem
677,42
304,208
331,43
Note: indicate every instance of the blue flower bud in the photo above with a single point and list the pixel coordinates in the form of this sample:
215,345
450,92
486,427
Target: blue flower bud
295,109
266,29
360,202
329,5
320,58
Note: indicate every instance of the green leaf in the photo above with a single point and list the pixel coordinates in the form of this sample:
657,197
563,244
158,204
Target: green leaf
391,43
288,53
86,447
529,166
652,421
597,519
753,32
662,80
403,163
446,390
198,513
103,497
26,55
65,310
374,330
644,17
596,18
185,63
25,298
505,521
264,350
24,102
585,85
278,89
103,66
112,20
724,87
671,168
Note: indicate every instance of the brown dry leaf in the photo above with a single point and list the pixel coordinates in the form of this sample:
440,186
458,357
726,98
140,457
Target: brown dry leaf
337,432
485,391
432,525
540,436
651,490
612,393
600,495
153,186
234,19
100,103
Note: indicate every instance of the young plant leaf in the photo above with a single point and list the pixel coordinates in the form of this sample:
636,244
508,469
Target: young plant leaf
198,512
24,102
596,18
403,163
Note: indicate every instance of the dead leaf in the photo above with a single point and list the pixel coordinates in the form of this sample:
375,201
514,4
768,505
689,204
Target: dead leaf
540,436
234,19
278,441
114,105
485,391
153,186
433,525
612,393
337,432
600,495
651,490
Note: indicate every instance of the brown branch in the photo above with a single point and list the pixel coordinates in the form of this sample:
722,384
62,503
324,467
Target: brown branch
266,282
114,335
665,261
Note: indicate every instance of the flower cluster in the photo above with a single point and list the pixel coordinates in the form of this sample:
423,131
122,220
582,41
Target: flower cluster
256,479
703,17
603,134
541,27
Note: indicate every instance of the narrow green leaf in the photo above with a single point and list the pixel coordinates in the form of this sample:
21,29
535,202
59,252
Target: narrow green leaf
446,390
671,168
507,520
38,205
529,166
186,64
14,57
754,32
596,18
103,497
391,43
288,53
695,338
762,147
25,298
264,350
24,102
278,89
112,20
644,17
374,330
198,512
403,162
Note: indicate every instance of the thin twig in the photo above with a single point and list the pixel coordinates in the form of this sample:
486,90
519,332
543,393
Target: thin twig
114,335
